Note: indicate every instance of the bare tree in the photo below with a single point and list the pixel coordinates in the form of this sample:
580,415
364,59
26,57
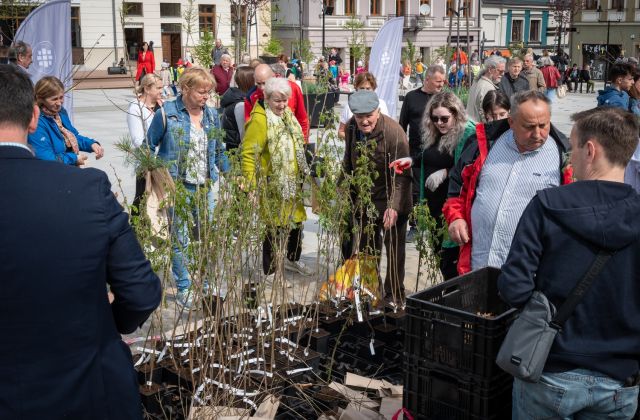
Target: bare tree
251,6
563,12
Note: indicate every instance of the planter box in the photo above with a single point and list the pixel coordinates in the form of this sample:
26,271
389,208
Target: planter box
317,104
269,59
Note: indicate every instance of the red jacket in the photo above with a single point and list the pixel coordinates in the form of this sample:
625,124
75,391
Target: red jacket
551,76
464,177
148,64
296,103
223,78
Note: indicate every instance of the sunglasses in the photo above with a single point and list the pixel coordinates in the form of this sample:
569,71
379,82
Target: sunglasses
444,120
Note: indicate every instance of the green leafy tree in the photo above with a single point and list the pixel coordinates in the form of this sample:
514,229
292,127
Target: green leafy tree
202,50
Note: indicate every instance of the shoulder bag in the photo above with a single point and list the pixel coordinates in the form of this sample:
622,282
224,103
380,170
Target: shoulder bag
526,347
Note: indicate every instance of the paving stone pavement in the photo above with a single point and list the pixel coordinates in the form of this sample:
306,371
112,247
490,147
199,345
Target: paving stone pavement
101,114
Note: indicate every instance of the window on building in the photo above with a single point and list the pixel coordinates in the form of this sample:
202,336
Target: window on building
11,17
170,10
76,41
516,30
534,31
207,18
330,6
463,5
401,7
234,21
591,5
349,7
131,8
617,4
427,7
375,7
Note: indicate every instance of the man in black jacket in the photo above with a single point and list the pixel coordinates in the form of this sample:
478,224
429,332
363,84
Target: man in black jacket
63,238
513,80
413,106
592,368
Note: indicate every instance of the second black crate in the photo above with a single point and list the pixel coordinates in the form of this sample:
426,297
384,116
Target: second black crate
459,324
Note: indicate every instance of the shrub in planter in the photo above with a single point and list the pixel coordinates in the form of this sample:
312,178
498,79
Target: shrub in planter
318,99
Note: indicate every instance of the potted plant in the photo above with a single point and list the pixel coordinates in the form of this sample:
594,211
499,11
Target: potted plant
318,100
271,51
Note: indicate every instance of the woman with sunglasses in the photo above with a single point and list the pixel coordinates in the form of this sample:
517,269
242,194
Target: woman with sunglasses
445,131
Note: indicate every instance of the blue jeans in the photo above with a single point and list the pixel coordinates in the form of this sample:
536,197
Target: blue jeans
575,394
551,94
180,235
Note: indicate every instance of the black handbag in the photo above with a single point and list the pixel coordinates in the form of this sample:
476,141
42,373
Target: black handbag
526,347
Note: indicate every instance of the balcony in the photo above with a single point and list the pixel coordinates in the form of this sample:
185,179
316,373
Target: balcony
410,22
374,21
425,22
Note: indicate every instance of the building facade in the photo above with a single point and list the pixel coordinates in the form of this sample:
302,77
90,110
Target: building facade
605,30
428,24
525,22
102,35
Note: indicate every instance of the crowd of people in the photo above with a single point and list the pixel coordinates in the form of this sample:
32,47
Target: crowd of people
494,174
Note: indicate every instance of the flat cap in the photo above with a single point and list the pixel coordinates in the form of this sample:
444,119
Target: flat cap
363,102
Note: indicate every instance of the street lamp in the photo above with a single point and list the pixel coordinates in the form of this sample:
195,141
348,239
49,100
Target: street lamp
606,62
326,10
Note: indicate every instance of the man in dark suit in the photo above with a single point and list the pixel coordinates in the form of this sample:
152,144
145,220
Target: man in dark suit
63,238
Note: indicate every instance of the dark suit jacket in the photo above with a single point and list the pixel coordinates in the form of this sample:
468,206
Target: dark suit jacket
63,238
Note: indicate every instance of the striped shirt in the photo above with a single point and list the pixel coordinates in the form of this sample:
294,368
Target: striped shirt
508,181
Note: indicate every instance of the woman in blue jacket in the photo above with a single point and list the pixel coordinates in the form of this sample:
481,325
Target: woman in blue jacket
188,138
55,138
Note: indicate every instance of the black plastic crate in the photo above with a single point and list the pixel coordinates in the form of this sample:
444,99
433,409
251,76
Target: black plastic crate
459,324
439,395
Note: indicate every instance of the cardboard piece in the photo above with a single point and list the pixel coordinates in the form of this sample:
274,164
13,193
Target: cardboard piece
384,388
268,407
390,406
355,396
201,413
358,412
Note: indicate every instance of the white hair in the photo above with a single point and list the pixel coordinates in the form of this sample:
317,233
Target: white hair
277,85
225,57
492,63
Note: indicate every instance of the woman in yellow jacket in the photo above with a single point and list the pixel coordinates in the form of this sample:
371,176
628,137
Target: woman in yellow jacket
274,167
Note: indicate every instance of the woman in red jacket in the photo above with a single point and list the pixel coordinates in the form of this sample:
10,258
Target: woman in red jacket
146,62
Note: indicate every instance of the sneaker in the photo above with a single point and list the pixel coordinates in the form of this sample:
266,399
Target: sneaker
184,298
298,267
411,235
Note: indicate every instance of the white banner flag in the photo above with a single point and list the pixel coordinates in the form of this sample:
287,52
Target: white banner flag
385,61
48,30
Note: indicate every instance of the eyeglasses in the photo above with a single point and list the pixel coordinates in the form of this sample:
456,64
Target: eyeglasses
444,120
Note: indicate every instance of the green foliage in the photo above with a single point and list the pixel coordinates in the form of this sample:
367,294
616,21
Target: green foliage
427,241
303,50
202,50
357,39
273,47
409,52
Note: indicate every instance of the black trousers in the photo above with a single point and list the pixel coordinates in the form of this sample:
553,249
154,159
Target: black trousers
449,262
394,243
294,247
141,184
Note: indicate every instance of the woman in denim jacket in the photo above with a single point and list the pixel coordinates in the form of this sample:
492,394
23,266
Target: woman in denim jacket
188,139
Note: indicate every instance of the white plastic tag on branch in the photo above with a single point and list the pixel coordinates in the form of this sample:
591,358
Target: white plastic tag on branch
371,348
294,371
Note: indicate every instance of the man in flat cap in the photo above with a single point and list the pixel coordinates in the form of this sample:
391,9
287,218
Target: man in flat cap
373,141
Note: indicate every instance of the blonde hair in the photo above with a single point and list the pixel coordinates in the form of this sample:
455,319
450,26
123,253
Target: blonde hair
148,80
47,87
195,77
447,142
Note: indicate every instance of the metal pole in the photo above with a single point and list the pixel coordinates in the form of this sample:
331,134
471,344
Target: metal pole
301,33
115,33
606,63
323,14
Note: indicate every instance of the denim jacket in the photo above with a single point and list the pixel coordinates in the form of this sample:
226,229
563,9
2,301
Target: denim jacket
173,139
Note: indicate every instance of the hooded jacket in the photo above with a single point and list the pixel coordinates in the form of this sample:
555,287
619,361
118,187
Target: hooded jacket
557,239
611,96
228,103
